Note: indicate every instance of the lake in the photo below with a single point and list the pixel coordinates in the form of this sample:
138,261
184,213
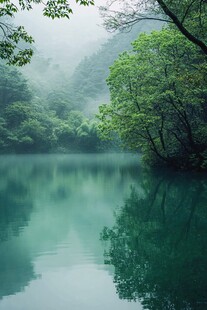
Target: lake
100,232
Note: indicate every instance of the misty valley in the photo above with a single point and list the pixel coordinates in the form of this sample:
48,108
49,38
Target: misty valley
103,155
46,108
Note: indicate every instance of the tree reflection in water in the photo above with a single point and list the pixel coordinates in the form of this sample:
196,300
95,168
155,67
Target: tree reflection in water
158,244
16,206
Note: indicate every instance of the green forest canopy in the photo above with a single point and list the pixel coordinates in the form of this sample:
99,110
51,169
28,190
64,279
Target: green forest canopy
158,100
158,90
32,124
49,111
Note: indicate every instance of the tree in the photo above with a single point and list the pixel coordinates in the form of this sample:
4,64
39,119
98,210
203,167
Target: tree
158,100
60,103
26,129
14,37
87,136
13,86
189,16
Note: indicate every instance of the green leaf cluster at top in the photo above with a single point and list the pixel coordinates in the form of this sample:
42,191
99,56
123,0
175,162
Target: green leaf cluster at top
13,38
57,9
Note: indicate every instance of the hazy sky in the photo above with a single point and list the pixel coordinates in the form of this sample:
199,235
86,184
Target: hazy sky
64,39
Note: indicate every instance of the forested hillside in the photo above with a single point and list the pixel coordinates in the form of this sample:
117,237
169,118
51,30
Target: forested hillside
35,120
44,109
88,83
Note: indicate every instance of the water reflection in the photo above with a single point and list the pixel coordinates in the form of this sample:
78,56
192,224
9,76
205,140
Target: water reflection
52,209
16,269
158,244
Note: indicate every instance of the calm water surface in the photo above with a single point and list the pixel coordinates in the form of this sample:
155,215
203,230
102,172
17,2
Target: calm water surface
98,232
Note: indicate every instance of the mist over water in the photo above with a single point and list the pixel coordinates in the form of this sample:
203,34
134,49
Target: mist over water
53,210
99,231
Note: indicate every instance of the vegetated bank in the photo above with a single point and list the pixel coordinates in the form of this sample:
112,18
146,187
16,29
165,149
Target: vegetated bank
159,99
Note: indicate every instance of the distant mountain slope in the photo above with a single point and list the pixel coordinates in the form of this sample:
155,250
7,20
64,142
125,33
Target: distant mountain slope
88,83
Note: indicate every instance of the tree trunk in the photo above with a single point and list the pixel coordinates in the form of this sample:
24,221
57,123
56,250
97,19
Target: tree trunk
182,29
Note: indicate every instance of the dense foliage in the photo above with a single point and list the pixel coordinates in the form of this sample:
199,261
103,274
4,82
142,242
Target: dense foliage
158,95
45,110
31,124
158,100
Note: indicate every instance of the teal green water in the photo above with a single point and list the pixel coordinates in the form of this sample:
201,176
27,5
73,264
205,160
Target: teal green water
60,213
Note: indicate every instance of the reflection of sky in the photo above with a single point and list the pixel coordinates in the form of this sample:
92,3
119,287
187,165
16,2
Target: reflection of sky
71,206
63,290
